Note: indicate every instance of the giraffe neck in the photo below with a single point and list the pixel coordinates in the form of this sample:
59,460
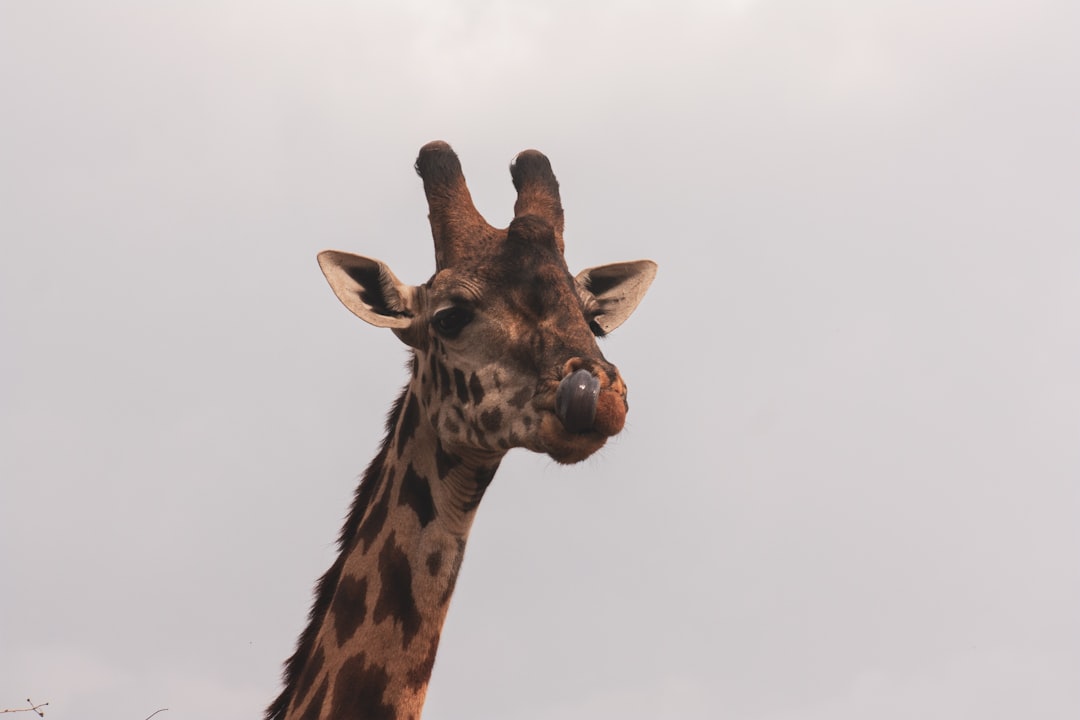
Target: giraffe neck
369,648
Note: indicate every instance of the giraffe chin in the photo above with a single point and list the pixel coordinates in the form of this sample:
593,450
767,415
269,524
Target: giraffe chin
565,447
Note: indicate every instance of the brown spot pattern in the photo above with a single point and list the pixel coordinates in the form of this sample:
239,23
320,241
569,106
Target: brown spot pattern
407,427
434,562
462,386
360,690
476,389
519,398
349,607
491,419
373,522
312,668
314,708
416,493
396,600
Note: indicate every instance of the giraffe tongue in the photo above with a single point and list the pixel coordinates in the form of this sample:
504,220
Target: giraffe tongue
575,401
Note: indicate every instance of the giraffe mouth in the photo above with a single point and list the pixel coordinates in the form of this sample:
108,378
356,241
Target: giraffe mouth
578,415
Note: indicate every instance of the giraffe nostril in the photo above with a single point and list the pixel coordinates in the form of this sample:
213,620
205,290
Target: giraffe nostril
575,400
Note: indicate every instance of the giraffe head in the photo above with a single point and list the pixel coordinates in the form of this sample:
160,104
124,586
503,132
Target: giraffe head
504,336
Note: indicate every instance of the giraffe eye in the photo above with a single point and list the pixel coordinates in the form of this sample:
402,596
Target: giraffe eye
449,322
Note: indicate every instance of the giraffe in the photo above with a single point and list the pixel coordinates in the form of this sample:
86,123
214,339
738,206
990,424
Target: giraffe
504,355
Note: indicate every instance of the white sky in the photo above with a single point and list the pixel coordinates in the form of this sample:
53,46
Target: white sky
850,483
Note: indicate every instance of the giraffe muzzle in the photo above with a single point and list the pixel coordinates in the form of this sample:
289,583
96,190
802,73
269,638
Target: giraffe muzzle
575,401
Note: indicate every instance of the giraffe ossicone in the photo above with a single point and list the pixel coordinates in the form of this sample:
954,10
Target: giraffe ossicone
504,355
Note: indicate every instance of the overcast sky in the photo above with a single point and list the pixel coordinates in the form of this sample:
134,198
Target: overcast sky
849,486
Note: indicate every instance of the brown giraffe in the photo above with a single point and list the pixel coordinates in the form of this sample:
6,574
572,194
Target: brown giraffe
504,355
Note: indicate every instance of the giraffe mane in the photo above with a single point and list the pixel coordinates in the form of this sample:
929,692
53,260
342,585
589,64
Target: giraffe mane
324,591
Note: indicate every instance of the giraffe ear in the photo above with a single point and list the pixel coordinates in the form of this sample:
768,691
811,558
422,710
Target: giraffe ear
617,288
369,289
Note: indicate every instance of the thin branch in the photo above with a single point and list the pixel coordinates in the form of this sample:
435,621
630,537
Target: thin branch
155,713
33,708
